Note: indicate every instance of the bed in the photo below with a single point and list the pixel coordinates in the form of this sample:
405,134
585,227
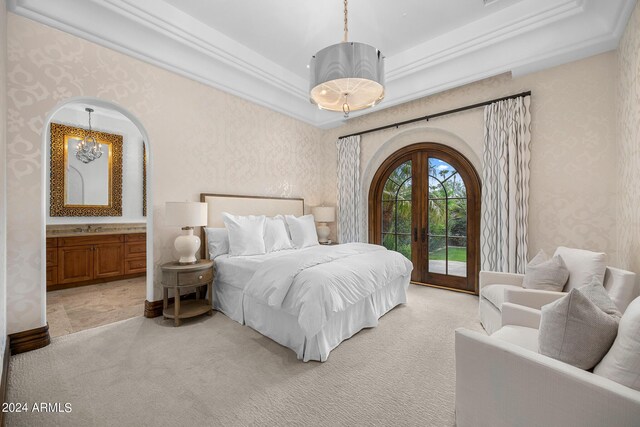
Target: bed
311,299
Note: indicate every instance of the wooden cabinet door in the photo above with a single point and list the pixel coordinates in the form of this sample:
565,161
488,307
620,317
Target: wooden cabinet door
75,264
108,260
52,275
135,250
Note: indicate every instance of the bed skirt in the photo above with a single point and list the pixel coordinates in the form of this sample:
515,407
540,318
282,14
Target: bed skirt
283,327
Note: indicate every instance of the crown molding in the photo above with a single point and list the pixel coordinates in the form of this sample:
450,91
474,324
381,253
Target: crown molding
527,36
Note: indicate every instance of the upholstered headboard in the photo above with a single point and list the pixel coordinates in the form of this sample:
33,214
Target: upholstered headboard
245,205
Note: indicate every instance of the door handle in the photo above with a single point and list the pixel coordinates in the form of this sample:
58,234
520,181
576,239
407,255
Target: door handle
424,234
415,234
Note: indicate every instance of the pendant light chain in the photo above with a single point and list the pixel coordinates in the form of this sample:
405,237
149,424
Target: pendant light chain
90,131
346,23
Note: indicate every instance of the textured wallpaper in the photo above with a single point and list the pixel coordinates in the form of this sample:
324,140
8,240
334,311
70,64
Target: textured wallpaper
627,168
573,161
3,194
201,140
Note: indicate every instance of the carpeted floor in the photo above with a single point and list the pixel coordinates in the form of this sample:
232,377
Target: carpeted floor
212,371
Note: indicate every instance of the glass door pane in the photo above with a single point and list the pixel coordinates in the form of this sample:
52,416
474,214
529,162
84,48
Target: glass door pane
397,210
447,220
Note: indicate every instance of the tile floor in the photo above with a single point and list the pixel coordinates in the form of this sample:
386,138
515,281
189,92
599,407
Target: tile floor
75,309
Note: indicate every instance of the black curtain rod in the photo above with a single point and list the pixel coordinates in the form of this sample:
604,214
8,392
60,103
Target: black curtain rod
443,113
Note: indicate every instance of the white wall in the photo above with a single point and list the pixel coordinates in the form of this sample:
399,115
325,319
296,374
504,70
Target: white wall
132,158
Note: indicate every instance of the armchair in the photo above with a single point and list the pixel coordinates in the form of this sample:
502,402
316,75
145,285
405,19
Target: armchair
501,381
499,288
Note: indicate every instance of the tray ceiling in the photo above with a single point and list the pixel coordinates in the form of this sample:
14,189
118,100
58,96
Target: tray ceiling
259,49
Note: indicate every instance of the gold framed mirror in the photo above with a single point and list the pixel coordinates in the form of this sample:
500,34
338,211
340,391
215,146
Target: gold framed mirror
80,187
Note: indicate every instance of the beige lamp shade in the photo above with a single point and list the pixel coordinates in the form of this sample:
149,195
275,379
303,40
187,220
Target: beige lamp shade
324,213
186,214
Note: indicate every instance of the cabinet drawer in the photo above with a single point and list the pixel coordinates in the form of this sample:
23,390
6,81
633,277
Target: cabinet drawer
135,250
89,240
52,257
195,277
132,266
52,275
135,237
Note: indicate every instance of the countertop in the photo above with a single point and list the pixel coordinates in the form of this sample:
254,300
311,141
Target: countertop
103,230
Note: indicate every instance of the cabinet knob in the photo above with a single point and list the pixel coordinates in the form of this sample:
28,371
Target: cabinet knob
200,277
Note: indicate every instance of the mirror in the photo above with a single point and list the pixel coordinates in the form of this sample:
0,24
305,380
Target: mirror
85,188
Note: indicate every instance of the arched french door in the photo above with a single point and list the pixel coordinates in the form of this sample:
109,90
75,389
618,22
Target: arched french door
424,202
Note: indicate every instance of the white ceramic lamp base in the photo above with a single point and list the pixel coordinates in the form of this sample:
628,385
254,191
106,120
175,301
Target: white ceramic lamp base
187,245
323,232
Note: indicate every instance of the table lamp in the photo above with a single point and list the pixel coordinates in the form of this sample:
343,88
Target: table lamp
187,215
322,215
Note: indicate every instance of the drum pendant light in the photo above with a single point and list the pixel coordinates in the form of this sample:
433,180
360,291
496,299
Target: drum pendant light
347,76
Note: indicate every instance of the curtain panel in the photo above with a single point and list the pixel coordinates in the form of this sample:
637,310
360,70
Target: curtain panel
505,185
349,199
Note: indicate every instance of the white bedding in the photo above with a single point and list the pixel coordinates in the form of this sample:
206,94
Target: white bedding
315,282
311,299
237,271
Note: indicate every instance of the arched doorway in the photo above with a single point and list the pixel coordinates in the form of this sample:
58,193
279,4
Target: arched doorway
424,202
145,257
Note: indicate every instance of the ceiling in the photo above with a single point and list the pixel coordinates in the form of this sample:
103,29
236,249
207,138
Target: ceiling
289,31
259,49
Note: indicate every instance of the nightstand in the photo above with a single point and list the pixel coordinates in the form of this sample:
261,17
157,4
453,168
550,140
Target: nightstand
176,276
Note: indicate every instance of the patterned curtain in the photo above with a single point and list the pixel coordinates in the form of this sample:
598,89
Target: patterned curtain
505,185
349,205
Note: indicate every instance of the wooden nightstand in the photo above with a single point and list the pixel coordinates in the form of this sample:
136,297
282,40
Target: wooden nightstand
177,277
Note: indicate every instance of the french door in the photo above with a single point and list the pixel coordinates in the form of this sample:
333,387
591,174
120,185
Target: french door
425,203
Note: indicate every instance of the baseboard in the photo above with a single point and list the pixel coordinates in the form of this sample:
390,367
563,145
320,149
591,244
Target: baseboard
154,308
33,339
5,377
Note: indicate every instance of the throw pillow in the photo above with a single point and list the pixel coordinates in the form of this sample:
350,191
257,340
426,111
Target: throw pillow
545,274
576,331
303,231
276,237
622,363
246,234
600,297
217,241
583,266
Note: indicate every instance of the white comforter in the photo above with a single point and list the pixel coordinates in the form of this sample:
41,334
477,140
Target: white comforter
314,282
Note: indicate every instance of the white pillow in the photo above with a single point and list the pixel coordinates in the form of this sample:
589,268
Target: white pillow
246,234
303,231
545,274
583,266
217,241
622,363
276,237
286,226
